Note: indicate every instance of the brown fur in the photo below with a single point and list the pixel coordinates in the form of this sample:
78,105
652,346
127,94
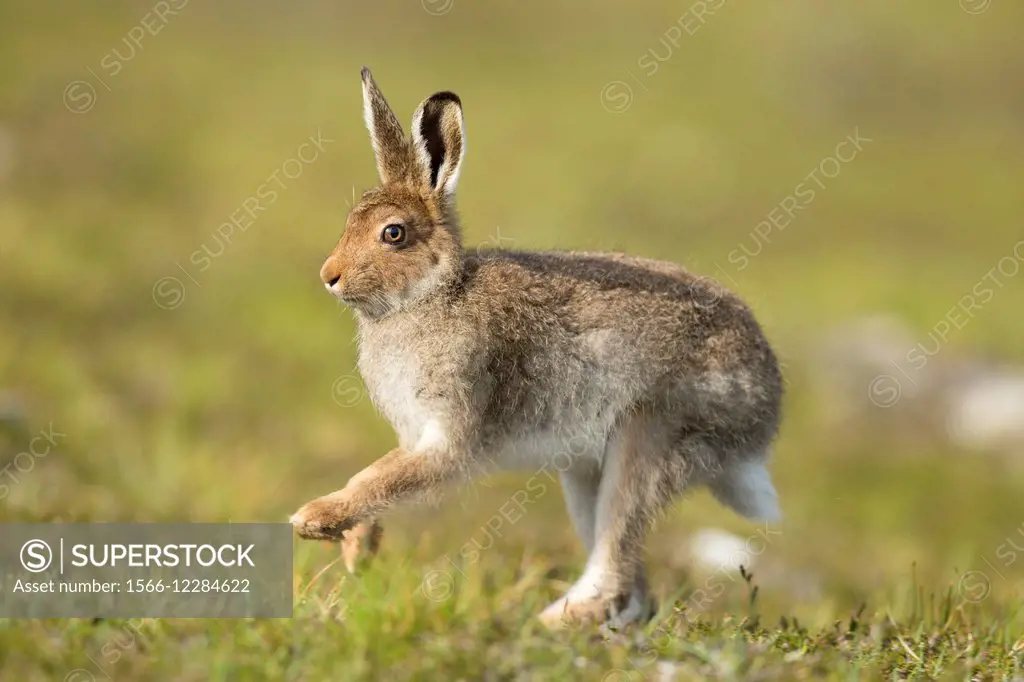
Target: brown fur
654,379
360,544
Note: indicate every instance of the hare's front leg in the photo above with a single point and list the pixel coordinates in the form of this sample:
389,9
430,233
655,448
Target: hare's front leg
361,544
579,488
636,483
398,476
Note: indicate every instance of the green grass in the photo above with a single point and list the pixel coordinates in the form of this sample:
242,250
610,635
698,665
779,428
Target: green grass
239,403
391,625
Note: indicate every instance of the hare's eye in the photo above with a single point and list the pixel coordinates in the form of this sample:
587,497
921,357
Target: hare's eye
393,234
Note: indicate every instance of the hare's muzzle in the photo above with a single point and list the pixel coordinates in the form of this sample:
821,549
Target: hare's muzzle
330,273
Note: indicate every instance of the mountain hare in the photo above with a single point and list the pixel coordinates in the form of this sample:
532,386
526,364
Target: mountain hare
636,379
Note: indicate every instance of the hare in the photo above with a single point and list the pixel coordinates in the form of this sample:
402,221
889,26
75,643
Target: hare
635,379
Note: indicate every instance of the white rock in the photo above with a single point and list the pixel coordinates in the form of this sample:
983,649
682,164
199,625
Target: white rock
712,549
989,411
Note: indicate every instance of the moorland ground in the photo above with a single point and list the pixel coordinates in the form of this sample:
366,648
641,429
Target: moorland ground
196,370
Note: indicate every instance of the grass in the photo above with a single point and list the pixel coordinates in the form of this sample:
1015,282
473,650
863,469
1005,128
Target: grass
392,624
235,396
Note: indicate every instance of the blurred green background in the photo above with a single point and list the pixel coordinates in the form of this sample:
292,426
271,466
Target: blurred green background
203,377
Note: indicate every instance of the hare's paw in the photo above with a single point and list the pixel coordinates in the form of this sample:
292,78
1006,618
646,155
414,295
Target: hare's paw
361,544
564,613
615,612
325,518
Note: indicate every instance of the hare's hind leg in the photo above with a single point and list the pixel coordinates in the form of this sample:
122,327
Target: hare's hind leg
637,481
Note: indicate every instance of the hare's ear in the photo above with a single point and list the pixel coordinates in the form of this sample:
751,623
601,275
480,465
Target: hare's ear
389,144
439,142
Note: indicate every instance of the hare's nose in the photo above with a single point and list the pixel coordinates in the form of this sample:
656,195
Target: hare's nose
330,273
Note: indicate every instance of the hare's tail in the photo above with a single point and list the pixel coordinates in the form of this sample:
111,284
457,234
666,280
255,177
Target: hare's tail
746,486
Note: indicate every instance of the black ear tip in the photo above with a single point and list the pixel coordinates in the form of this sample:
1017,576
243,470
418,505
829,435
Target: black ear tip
365,74
446,96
